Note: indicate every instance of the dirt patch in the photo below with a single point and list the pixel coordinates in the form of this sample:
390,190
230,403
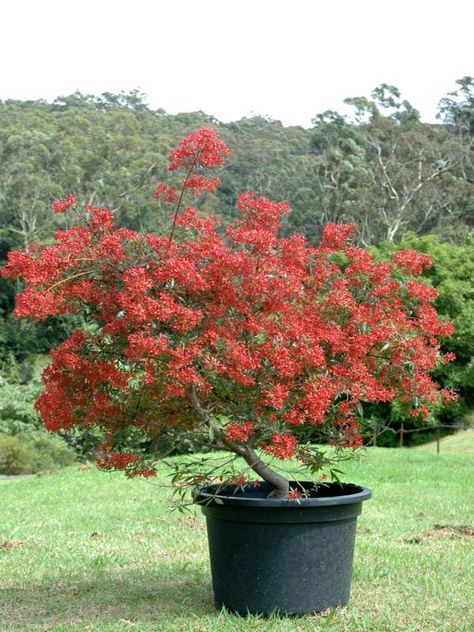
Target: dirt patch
97,535
450,531
191,521
11,544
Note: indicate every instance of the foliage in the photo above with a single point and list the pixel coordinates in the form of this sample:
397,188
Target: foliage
38,451
237,337
49,452
15,457
381,168
451,274
391,173
25,446
457,112
19,388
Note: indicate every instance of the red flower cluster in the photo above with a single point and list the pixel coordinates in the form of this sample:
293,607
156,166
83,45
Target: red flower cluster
268,332
412,261
294,494
61,206
199,184
162,190
203,148
239,432
129,463
336,236
282,446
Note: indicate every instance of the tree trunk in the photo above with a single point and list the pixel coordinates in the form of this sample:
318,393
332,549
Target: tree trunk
281,485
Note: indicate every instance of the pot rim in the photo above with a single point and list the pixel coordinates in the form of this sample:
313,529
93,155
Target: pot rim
207,495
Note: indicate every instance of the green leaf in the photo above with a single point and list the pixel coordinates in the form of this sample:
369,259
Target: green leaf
212,434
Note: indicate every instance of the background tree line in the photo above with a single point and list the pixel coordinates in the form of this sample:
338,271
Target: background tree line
404,182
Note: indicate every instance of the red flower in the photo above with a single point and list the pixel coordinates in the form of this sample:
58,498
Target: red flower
166,192
412,261
282,446
336,236
294,494
101,218
61,206
199,184
200,149
276,396
240,431
116,461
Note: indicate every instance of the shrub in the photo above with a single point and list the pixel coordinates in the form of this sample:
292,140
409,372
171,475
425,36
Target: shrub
49,452
40,452
17,413
15,457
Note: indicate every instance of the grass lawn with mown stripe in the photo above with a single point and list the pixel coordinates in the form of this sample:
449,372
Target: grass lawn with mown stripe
82,550
459,442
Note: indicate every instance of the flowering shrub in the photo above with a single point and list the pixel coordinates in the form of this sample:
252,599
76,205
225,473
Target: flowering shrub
236,335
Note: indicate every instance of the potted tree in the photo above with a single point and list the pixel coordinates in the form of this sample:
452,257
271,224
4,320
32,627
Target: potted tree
244,340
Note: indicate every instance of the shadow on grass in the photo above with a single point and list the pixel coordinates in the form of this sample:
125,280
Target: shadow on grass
109,596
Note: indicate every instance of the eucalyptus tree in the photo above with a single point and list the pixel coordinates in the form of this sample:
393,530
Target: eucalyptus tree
387,171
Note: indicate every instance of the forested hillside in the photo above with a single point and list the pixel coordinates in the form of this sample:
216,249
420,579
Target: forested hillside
399,179
380,167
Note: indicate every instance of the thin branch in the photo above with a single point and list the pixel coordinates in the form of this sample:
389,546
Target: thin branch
74,276
178,205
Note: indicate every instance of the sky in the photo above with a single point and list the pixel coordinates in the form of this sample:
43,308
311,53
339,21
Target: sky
285,59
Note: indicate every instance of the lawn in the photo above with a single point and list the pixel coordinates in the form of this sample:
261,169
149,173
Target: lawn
462,441
81,550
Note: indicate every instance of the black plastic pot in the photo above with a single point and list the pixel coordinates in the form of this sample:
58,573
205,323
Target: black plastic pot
285,556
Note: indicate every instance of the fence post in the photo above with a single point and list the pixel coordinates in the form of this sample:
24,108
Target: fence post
375,435
402,429
438,437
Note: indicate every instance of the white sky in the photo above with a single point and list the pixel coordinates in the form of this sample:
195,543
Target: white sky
288,59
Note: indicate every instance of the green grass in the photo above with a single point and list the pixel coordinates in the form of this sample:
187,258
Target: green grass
460,442
82,550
